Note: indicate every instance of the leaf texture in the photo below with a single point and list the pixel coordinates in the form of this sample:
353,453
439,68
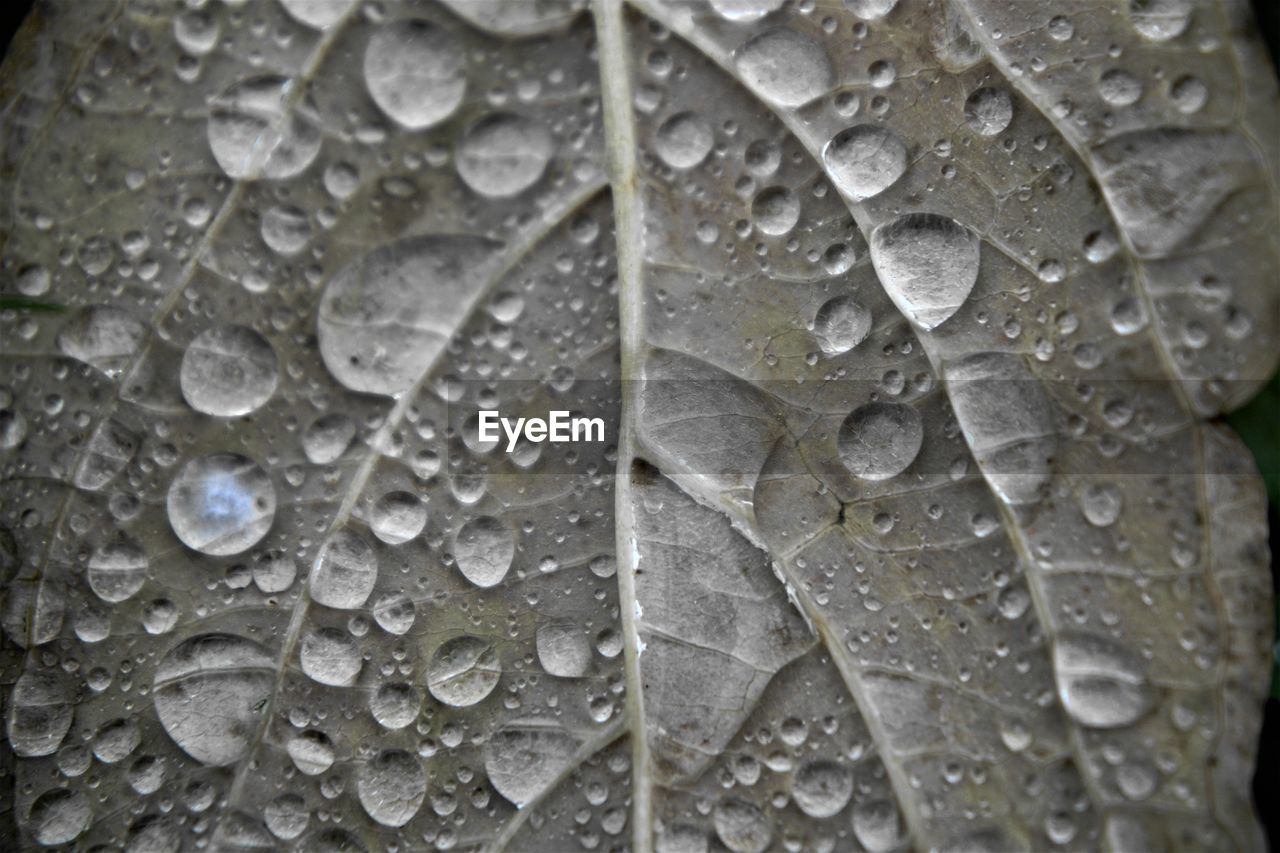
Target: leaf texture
905,321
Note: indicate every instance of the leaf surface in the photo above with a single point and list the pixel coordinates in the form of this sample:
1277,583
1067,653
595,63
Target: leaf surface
904,322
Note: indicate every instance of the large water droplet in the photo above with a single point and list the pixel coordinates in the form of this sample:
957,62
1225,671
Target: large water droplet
415,72
118,569
776,211
260,128
40,712
392,787
523,759
1160,20
745,11
311,752
210,692
504,154
484,548
988,111
327,438
397,517
320,14
330,656
59,816
228,371
865,160
1101,683
516,17
563,650
786,67
221,504
463,671
841,324
927,263
822,788
395,705
880,440
101,336
346,571
684,140
285,229
871,10
395,613
877,825
742,827
1101,504
387,316
1007,420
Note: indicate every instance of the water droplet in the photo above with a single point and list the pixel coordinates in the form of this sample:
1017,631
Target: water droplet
13,429
33,280
395,613
865,160
118,569
484,548
1189,94
880,440
742,827
196,31
346,571
221,504
116,740
1119,88
684,140
416,73
327,438
319,14
745,11
988,111
330,656
518,18
776,211
40,712
504,154
1060,28
228,371
463,671
1100,503
870,10
311,752
397,517
377,331
785,67
259,128
395,705
286,816
274,571
877,825
822,788
59,816
1160,20
392,787
524,759
841,324
1137,780
927,263
101,336
1101,683
285,229
210,693
563,650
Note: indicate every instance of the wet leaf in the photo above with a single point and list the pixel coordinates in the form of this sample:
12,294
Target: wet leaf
906,322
